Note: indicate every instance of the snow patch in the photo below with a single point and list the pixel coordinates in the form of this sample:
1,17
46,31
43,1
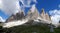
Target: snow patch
14,23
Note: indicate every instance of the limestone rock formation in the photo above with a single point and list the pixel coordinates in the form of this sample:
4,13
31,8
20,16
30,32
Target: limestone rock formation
45,15
18,16
33,13
11,18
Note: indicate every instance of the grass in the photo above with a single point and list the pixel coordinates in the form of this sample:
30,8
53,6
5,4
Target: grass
31,29
39,28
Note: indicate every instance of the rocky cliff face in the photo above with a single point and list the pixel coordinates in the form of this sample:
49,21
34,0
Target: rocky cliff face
42,14
11,18
17,16
31,15
45,15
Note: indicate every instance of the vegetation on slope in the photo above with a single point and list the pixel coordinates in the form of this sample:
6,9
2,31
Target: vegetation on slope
40,28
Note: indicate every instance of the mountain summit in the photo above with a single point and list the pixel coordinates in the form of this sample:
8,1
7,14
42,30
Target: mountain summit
33,13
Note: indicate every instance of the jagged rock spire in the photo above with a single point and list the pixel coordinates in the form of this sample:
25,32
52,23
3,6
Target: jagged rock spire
11,18
47,17
42,9
36,13
43,13
33,8
19,15
23,12
33,12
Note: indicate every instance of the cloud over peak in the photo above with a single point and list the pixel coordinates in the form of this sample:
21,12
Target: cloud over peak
27,3
55,15
54,12
13,6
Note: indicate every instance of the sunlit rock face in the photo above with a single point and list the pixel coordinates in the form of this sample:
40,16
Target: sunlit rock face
42,14
33,13
17,16
45,15
11,18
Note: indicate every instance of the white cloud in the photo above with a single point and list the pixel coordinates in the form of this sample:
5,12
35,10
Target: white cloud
26,3
12,6
54,12
0,1
1,4
35,1
59,5
1,19
55,16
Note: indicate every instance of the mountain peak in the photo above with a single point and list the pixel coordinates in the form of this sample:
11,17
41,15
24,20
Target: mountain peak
33,8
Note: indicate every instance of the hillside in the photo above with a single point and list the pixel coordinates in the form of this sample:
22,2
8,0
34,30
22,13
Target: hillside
37,28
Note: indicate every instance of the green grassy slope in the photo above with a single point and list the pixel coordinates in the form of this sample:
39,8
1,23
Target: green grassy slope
32,29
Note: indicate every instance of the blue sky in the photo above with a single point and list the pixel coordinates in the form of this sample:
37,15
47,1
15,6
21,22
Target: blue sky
3,15
46,4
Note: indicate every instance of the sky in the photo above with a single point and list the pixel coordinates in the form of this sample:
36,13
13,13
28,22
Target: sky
52,7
